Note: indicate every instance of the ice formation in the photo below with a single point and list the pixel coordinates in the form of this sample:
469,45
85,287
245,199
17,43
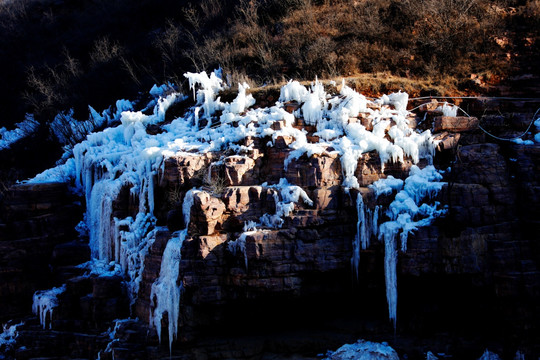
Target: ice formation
363,350
127,158
290,195
239,245
45,302
448,109
165,296
406,213
537,136
488,355
9,335
386,186
134,238
22,130
366,227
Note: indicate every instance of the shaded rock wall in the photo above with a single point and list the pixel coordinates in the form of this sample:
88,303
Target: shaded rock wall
37,251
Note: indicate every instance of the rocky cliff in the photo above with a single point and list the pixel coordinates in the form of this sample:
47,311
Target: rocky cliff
274,247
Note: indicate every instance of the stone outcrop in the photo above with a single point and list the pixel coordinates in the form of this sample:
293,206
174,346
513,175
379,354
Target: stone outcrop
37,250
483,253
455,124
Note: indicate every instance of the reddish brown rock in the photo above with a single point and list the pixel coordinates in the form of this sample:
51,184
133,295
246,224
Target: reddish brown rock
206,213
239,170
455,124
183,168
447,141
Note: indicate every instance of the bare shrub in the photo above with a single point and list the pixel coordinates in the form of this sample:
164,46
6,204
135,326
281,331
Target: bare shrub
105,50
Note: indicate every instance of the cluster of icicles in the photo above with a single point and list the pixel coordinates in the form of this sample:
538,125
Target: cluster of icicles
410,210
126,156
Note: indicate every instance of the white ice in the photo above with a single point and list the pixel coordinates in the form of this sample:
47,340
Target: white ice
448,109
386,186
285,198
363,350
44,303
165,296
166,290
409,211
366,227
127,158
22,130
9,335
488,355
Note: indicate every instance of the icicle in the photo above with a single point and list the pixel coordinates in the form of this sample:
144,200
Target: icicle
387,233
239,245
360,231
44,303
165,295
133,245
166,290
100,222
366,227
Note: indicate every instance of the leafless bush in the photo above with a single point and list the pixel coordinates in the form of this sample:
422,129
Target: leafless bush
105,50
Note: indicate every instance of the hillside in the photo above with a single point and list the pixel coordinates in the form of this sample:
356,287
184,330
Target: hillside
56,58
171,188
221,228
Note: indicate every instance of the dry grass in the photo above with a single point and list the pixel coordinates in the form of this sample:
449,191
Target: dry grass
377,84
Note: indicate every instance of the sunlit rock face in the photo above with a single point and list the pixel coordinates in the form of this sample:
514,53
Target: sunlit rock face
325,198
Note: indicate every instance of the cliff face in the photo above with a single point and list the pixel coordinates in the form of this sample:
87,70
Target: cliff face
265,239
37,230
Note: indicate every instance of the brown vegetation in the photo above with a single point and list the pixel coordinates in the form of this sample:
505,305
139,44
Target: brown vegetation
56,55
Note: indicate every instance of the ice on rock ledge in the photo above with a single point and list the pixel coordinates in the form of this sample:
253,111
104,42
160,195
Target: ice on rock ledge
239,245
448,109
488,355
127,157
45,302
165,296
9,335
386,186
293,91
22,130
290,195
366,227
166,290
363,350
409,211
